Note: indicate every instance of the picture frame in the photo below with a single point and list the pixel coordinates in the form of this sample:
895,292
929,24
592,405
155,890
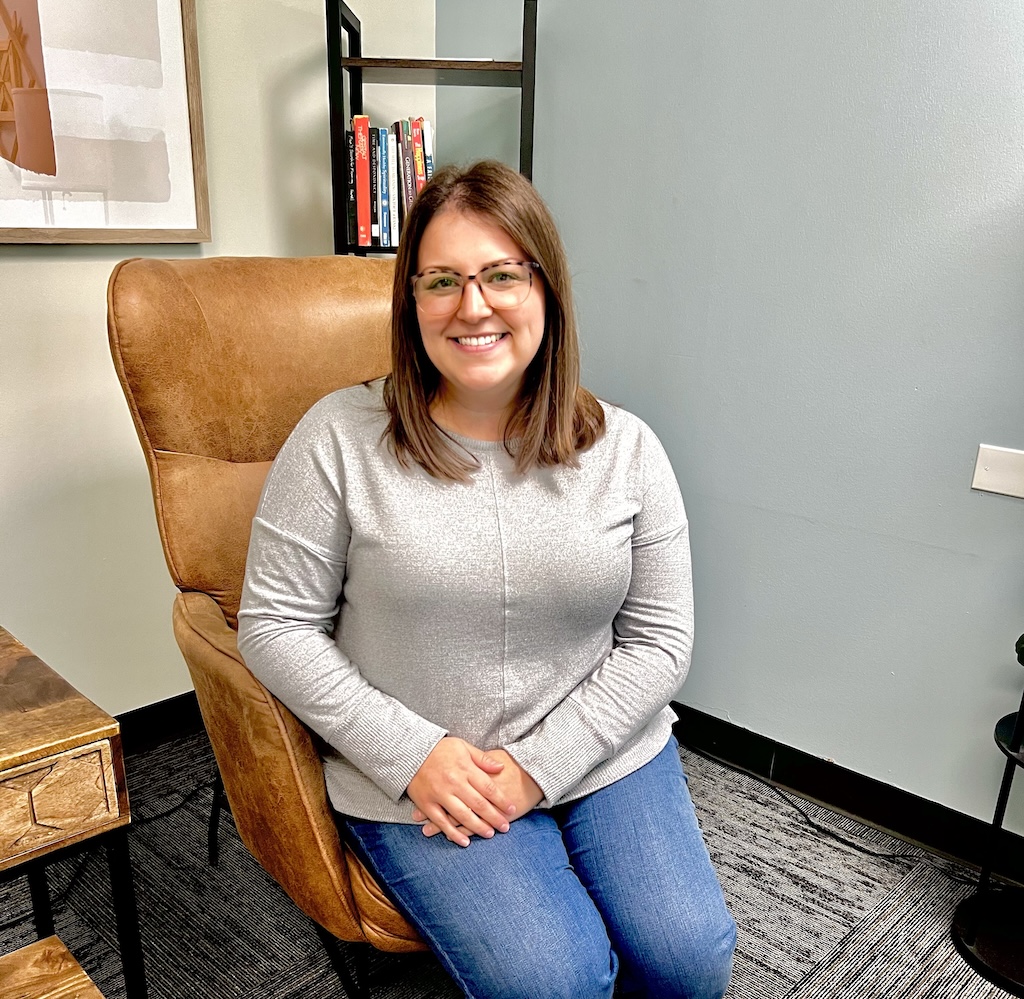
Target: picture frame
101,123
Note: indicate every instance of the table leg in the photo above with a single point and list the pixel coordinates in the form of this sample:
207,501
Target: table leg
126,914
39,891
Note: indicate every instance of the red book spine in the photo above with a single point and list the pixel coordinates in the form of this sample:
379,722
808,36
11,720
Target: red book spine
417,154
361,127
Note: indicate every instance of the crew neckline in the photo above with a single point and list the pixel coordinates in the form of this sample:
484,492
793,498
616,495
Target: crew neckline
473,444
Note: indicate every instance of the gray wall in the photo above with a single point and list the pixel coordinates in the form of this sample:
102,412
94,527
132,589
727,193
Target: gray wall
474,123
796,233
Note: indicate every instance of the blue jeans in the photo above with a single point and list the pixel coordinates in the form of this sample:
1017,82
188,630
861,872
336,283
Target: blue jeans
612,891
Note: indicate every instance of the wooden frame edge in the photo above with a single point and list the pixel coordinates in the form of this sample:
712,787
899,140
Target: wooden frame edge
202,231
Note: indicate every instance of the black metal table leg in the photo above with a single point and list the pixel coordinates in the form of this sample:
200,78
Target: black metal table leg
39,891
126,914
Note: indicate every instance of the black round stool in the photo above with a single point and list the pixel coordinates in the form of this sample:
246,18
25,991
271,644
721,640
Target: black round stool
988,926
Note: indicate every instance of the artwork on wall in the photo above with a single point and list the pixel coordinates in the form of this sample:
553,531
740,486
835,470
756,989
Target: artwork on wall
101,124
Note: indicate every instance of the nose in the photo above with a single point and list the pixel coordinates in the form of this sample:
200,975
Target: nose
472,306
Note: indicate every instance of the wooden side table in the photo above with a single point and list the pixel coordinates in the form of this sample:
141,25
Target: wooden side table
62,788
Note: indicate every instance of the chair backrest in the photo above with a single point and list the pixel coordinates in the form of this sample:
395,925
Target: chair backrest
219,358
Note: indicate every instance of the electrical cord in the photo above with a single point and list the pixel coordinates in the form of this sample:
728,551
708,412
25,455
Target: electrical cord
824,830
59,900
198,789
818,827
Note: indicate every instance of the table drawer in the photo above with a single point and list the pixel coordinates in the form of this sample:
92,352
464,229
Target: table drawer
53,799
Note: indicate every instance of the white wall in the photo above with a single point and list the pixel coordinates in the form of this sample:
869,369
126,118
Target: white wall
82,578
797,232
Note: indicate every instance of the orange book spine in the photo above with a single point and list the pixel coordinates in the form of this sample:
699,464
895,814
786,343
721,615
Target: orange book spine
361,128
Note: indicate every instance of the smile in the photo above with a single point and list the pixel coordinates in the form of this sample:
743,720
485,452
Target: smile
479,341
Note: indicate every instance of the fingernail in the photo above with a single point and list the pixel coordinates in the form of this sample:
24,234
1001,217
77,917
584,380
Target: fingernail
489,834
511,809
503,827
463,842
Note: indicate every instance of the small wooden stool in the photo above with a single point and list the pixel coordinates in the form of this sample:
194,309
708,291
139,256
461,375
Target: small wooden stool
44,970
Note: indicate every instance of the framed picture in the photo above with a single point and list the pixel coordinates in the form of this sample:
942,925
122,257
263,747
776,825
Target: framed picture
101,123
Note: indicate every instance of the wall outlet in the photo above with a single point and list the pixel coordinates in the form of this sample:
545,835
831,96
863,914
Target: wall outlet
999,470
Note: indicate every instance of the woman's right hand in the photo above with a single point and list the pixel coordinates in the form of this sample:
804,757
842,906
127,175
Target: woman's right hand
455,791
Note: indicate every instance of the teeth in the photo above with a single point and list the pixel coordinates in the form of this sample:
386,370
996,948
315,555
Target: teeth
479,341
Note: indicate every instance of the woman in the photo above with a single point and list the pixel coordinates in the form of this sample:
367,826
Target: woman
473,582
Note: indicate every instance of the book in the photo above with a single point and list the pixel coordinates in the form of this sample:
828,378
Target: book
388,167
385,187
416,128
352,226
398,194
393,189
374,187
361,131
404,134
428,148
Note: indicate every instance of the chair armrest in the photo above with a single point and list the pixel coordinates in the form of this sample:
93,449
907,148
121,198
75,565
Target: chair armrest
270,767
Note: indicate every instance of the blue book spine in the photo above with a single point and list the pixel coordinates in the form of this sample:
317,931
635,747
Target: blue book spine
385,200
428,148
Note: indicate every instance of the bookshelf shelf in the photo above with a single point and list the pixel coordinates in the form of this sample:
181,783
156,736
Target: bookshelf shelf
349,71
438,72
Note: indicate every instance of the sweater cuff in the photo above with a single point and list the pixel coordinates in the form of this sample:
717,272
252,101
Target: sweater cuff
392,762
560,751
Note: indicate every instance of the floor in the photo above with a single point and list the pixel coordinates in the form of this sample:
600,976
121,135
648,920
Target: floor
867,918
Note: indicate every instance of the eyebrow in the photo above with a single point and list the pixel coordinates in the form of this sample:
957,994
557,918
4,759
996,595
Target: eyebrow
452,270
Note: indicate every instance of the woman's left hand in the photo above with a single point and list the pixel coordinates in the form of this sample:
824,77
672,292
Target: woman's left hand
521,789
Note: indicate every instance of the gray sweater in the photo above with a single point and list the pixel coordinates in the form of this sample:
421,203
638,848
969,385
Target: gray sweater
549,613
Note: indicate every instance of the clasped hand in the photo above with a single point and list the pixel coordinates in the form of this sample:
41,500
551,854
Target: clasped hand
462,791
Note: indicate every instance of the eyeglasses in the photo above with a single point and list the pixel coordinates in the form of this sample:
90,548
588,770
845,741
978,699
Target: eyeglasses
503,286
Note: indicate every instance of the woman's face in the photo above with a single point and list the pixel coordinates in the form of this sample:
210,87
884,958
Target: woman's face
481,353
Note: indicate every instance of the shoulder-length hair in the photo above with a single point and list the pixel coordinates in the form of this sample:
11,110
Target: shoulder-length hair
553,418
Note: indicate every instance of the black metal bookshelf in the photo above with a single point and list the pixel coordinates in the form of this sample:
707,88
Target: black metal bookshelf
348,72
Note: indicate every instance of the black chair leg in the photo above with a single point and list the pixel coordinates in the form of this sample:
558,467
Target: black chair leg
219,802
354,984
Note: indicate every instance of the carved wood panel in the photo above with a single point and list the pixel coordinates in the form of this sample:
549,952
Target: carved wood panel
55,798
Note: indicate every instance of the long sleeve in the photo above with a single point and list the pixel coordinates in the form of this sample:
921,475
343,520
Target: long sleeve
290,603
548,612
653,640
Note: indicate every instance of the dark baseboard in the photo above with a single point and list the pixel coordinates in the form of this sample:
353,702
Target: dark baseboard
918,820
152,725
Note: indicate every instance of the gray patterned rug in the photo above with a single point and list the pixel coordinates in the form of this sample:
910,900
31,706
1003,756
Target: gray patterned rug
818,918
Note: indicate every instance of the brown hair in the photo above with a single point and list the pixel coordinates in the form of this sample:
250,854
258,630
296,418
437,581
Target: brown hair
554,417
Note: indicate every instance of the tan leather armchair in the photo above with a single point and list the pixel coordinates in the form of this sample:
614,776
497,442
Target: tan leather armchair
219,358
